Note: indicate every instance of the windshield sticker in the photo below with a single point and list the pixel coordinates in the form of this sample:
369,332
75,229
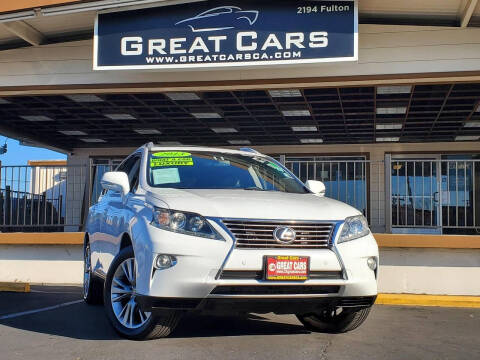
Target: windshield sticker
172,154
165,176
279,168
275,166
173,161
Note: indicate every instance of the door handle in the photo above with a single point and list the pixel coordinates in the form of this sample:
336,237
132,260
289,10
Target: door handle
435,194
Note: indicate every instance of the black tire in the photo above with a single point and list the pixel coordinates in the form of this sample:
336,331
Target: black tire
157,326
330,321
93,288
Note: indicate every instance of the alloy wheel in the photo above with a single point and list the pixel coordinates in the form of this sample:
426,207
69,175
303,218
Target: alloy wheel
124,296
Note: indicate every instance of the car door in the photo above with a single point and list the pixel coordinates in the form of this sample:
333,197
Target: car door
116,211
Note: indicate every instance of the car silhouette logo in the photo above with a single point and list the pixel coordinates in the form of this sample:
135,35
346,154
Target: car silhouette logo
221,18
284,235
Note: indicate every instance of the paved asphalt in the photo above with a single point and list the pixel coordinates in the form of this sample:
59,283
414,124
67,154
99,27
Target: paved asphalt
81,332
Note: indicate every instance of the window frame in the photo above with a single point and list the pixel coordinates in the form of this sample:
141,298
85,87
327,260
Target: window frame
135,158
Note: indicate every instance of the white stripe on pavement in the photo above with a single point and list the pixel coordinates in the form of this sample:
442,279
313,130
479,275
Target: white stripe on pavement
10,316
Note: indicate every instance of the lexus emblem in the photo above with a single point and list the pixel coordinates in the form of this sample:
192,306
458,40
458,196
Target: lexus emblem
284,235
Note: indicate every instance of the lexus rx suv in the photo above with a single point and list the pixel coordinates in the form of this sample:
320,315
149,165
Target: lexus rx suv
180,229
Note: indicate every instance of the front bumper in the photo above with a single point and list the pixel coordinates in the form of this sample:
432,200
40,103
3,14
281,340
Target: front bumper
210,270
246,305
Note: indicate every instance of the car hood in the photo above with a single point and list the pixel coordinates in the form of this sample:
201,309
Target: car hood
254,204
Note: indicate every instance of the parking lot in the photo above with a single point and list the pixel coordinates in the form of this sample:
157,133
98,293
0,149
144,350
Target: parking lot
76,331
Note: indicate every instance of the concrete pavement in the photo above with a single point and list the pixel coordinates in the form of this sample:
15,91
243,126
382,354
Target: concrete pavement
80,332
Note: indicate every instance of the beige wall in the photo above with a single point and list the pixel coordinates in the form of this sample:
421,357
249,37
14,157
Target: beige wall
48,179
394,51
430,271
10,5
413,271
45,264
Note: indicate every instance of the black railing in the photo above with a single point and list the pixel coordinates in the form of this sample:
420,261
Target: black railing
42,198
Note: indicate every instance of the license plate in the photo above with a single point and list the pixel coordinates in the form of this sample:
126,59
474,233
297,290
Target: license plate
287,268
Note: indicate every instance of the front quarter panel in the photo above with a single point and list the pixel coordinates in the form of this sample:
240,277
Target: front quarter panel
142,244
198,261
94,230
354,254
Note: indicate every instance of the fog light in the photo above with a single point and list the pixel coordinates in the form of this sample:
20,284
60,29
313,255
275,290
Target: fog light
165,261
372,263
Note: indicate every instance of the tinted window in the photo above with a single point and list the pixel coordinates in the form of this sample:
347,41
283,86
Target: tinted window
131,167
133,175
207,170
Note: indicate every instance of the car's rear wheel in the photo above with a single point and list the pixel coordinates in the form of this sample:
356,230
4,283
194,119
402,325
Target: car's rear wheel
122,308
336,320
92,287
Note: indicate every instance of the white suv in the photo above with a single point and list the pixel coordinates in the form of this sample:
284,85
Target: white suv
206,229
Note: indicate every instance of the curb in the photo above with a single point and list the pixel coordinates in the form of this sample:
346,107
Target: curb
15,287
429,300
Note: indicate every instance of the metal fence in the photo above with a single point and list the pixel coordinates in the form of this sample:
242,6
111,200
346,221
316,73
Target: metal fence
41,198
440,195
346,179
416,195
49,198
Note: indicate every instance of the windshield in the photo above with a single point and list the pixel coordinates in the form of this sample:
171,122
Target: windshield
209,170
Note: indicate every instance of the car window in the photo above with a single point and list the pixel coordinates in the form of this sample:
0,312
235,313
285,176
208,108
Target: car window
131,167
133,175
126,165
210,170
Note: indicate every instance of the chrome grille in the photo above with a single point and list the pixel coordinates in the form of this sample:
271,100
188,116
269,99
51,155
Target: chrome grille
258,234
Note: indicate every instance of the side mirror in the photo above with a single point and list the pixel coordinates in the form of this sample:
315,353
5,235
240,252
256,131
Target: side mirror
317,187
116,181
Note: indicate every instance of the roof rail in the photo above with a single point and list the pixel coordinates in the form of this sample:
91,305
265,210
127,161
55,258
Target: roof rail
247,149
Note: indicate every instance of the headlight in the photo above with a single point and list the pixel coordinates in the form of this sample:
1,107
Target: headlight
184,223
354,227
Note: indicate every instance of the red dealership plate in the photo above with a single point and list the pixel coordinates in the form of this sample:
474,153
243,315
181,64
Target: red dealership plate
287,267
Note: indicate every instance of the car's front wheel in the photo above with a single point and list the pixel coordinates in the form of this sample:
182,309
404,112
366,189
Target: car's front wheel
122,308
334,320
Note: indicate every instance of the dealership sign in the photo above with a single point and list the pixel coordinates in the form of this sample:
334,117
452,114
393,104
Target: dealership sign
227,33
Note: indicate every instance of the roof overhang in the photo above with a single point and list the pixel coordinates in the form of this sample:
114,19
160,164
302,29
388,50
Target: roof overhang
21,5
448,112
36,22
